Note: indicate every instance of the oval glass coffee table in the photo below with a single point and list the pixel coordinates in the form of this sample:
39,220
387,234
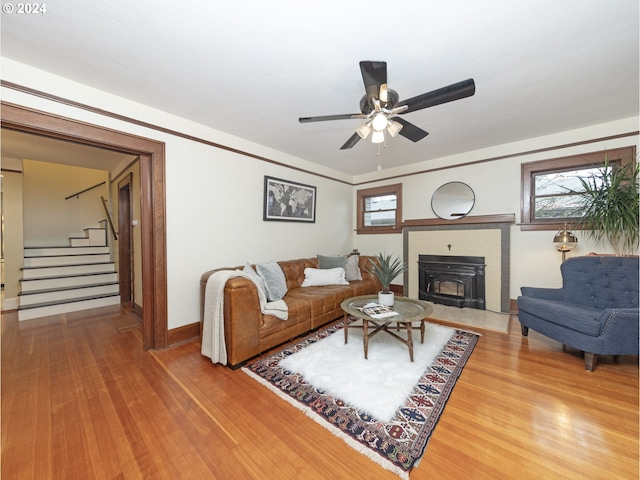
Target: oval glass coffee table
408,311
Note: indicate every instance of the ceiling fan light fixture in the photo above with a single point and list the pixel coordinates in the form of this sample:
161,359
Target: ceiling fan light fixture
377,136
364,129
384,93
394,128
379,122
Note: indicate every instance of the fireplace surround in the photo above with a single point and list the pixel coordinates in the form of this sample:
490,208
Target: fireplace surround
483,236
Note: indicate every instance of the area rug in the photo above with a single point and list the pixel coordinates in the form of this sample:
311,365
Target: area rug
395,440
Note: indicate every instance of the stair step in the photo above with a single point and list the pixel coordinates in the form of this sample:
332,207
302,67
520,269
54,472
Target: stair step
64,260
67,294
59,270
56,308
30,252
42,283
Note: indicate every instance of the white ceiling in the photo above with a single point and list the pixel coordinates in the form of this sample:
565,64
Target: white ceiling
19,146
251,68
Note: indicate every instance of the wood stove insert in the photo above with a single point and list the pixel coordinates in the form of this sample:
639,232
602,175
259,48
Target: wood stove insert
452,280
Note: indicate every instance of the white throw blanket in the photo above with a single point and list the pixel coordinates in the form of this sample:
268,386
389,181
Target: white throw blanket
213,342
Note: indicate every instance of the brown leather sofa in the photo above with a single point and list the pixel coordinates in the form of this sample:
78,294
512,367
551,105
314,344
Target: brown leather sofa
249,333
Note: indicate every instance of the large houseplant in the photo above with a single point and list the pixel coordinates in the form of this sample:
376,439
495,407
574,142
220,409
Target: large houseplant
609,206
386,268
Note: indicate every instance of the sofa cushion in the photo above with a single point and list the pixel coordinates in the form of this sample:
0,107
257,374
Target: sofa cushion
331,261
316,277
294,270
274,280
352,268
324,299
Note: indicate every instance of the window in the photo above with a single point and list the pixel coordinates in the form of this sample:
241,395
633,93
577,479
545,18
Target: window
380,209
547,201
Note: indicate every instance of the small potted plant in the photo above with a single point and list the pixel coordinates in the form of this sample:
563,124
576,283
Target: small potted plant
386,268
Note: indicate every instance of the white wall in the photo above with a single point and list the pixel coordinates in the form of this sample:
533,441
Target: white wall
12,230
213,196
49,217
497,187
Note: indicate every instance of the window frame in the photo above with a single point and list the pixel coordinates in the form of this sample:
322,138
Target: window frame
620,156
362,195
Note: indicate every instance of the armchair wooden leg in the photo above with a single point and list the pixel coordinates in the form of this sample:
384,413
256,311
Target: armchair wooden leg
525,330
590,360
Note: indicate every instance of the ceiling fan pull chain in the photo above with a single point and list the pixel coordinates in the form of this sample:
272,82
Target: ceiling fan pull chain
379,159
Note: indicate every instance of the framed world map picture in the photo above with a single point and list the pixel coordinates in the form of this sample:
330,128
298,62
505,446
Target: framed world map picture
288,201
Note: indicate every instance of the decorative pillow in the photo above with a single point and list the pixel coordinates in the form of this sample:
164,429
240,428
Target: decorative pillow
257,279
274,280
317,277
352,270
334,261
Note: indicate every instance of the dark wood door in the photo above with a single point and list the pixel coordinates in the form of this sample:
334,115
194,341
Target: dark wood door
125,241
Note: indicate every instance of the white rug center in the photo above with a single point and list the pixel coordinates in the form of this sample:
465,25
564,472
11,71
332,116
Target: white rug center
377,386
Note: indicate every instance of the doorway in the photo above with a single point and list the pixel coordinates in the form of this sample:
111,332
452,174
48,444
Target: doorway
125,240
152,218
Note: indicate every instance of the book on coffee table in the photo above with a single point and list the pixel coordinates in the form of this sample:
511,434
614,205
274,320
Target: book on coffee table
375,310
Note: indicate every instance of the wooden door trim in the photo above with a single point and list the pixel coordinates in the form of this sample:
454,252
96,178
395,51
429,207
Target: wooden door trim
152,193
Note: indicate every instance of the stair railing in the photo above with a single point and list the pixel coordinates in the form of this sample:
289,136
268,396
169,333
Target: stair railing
109,217
77,195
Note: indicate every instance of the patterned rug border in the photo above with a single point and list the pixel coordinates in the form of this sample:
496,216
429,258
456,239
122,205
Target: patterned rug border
373,439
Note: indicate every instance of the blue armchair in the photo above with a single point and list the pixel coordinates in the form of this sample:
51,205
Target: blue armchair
595,311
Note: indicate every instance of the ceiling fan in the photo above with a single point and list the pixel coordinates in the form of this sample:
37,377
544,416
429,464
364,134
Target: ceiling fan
380,106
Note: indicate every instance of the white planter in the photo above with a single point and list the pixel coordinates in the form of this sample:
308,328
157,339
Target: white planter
385,298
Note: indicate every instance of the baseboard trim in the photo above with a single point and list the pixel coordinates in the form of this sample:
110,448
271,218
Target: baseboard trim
513,305
186,333
10,304
137,310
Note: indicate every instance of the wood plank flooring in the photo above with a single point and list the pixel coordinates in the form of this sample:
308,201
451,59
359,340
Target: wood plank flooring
81,399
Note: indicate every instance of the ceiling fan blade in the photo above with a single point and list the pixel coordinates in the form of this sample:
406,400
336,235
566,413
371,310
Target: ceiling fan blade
374,75
324,118
456,91
355,138
409,130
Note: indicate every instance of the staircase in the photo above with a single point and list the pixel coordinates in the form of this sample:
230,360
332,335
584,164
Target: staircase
68,279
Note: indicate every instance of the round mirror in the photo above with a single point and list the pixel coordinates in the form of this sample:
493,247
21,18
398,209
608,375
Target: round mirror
452,200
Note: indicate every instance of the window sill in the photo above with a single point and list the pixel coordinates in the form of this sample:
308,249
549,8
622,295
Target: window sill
374,230
529,227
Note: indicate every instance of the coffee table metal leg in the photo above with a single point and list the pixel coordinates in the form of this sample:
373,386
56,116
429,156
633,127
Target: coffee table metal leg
365,336
410,340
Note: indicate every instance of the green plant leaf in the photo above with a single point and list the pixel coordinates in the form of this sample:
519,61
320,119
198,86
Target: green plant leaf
610,206
386,268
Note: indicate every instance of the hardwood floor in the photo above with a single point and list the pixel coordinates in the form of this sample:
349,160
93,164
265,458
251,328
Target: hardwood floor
81,399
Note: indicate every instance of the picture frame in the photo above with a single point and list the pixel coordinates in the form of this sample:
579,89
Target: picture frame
287,201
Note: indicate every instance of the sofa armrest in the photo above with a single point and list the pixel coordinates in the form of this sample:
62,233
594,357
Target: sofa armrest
242,317
242,320
556,294
620,330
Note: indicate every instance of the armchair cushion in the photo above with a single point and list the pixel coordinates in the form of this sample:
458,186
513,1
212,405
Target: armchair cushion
580,318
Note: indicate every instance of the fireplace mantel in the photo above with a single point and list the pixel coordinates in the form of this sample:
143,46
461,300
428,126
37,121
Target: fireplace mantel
468,220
